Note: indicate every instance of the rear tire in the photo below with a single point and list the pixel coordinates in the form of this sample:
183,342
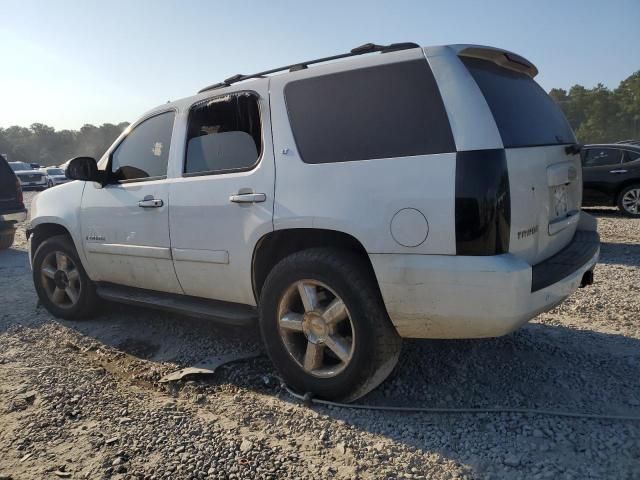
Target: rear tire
6,240
629,201
337,353
61,282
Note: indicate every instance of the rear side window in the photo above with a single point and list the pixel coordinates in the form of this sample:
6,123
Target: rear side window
392,110
630,156
525,115
144,153
598,157
224,135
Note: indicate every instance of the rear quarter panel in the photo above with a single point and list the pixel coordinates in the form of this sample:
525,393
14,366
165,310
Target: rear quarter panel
361,197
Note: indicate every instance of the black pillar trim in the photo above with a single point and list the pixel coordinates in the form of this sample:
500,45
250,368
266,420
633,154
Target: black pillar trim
483,203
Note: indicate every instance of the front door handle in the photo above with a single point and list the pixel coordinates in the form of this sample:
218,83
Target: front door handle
248,198
617,171
150,202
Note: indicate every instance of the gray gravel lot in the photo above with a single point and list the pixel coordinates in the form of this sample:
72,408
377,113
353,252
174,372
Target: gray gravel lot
82,400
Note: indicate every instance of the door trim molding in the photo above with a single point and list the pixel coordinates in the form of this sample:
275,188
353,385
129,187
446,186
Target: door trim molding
129,250
200,256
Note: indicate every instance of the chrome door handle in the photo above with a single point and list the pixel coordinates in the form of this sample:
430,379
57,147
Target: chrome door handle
150,203
248,198
617,171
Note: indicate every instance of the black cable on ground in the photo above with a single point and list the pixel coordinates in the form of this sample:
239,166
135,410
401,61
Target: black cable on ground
308,400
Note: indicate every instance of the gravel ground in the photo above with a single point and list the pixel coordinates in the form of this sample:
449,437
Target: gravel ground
82,400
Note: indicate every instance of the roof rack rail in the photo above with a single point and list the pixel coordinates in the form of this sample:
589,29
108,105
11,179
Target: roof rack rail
362,49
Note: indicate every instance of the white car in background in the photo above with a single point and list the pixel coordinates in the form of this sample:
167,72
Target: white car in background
28,176
55,176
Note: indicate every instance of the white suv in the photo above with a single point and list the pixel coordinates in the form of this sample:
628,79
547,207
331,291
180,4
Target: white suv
401,192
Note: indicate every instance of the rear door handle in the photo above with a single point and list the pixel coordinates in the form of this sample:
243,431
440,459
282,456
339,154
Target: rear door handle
150,202
248,198
617,171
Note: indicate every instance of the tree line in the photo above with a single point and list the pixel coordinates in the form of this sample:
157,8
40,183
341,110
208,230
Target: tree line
44,145
601,115
597,115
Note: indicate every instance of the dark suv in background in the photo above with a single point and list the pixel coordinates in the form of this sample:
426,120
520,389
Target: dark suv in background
12,208
611,176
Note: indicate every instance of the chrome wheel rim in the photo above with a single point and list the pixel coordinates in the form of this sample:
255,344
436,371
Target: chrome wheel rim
316,328
631,201
60,279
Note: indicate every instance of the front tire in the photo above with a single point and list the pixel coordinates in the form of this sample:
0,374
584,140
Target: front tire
325,326
629,201
61,282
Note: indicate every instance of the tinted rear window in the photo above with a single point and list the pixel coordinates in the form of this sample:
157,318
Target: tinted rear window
392,110
525,115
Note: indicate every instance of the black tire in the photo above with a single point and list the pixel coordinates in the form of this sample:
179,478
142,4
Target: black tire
6,240
87,299
49,184
621,198
378,345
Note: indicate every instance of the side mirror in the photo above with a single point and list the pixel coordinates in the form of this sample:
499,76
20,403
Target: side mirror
83,168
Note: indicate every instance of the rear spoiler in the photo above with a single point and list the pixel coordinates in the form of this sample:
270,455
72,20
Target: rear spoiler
498,56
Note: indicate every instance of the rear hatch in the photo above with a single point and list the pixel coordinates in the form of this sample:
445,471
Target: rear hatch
10,200
545,180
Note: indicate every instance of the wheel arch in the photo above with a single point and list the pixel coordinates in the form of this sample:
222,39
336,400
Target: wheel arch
278,244
39,233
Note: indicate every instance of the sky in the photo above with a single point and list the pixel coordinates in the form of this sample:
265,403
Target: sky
70,62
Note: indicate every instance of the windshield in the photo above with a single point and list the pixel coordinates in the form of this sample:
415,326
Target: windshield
19,166
525,115
55,171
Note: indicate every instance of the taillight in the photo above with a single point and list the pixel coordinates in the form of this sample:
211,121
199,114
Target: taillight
19,192
483,203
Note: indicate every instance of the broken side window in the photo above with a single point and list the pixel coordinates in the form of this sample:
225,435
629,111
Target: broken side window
223,135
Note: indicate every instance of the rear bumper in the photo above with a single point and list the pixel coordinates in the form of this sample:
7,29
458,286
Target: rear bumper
438,296
15,216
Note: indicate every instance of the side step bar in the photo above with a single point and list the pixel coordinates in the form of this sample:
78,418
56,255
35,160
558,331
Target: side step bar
221,312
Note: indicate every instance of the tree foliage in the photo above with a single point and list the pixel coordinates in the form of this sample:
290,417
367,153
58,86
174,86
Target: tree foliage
42,144
600,115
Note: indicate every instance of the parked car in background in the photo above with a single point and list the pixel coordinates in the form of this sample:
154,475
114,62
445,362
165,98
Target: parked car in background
449,207
12,208
28,177
611,176
55,176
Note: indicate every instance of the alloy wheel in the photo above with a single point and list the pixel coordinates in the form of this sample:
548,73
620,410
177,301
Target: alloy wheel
316,328
61,279
631,201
